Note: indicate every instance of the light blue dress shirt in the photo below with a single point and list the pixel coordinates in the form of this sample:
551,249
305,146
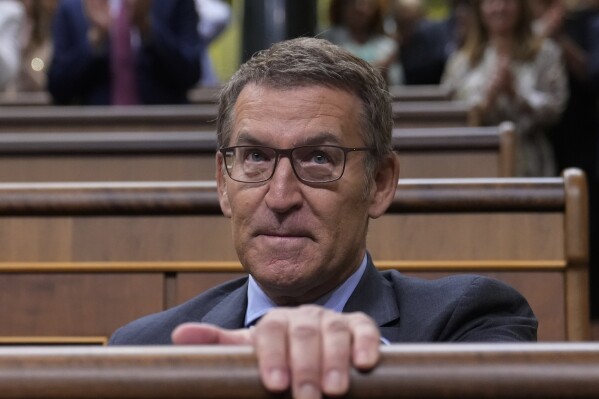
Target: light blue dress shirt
259,303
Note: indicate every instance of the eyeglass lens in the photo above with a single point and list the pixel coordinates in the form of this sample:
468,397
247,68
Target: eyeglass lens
310,163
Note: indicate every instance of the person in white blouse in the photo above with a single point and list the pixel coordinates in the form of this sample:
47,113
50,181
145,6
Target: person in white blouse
215,16
12,14
505,72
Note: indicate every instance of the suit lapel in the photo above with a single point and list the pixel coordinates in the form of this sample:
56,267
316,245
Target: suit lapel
230,312
376,297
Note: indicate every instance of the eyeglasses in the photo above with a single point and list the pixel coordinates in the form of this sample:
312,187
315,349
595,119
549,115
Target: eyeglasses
310,163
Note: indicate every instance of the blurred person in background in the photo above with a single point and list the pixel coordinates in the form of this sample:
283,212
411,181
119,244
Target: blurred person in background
425,45
505,72
35,46
457,25
124,52
215,16
12,16
574,135
357,25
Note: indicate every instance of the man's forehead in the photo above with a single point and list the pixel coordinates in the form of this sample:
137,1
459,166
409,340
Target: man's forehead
315,110
303,95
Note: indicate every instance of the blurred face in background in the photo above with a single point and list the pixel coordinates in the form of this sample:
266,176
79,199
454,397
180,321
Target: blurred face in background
462,14
500,17
360,14
407,15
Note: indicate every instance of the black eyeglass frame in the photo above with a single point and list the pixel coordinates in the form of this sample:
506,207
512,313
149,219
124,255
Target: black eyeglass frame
287,152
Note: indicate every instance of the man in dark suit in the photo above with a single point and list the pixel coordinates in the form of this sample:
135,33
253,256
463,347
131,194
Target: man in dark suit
305,160
158,64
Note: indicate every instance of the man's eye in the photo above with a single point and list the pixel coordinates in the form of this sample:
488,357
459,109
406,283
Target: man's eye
255,155
320,157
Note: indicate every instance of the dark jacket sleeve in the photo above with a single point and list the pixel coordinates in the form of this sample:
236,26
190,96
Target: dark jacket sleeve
172,50
490,311
75,65
593,38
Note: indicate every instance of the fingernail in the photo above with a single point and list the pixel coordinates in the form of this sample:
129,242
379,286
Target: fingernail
307,391
334,382
277,380
363,358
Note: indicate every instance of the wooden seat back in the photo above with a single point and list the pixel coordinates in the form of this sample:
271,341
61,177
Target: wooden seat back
189,156
80,259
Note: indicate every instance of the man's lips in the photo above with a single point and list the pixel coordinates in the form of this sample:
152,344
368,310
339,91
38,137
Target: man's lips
284,234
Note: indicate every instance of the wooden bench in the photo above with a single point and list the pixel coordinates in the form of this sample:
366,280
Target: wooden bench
464,371
79,260
209,95
25,98
62,119
176,156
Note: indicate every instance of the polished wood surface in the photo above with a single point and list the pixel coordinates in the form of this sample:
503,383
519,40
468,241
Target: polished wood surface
188,156
462,371
518,230
209,95
190,117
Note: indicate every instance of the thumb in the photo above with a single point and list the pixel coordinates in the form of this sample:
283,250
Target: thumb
207,334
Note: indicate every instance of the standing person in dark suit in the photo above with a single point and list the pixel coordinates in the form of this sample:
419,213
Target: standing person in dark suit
305,160
124,52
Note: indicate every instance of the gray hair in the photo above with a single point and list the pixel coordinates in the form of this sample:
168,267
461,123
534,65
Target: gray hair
308,61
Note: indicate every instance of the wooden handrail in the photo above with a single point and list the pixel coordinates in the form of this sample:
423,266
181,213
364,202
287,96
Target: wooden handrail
235,267
209,95
189,115
194,142
413,195
564,370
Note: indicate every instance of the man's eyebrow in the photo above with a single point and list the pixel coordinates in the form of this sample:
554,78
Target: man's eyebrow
320,138
246,138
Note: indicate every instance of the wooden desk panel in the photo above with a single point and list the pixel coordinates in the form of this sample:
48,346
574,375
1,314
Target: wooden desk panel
76,304
473,236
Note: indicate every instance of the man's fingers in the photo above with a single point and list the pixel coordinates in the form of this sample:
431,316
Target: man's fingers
336,346
270,341
308,349
305,352
206,334
366,341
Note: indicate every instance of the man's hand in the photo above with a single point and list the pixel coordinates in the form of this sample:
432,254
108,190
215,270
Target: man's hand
309,348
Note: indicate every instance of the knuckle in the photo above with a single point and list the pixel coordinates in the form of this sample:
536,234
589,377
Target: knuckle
272,324
304,332
335,325
311,310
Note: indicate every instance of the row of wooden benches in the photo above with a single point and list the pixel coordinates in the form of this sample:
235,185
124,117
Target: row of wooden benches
143,156
80,259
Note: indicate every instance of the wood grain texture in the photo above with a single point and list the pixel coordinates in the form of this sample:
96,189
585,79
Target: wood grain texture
405,371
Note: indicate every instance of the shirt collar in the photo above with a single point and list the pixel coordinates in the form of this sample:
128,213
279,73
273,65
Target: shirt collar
259,303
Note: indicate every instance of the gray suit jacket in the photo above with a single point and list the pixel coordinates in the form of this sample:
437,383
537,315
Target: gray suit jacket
461,308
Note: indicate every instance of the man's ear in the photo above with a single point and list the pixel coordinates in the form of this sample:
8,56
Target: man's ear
384,186
221,186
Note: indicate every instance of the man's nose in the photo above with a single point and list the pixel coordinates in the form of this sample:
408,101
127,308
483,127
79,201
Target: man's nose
284,188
